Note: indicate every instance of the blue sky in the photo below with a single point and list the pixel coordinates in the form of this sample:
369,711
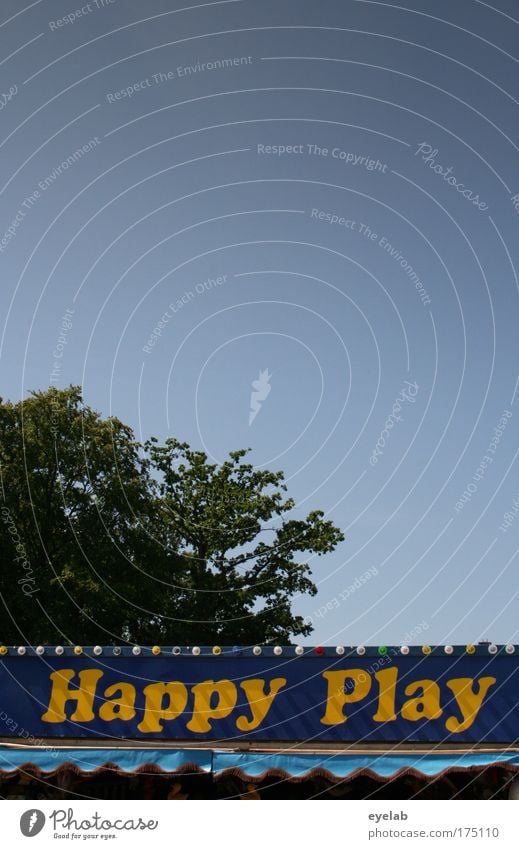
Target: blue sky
321,190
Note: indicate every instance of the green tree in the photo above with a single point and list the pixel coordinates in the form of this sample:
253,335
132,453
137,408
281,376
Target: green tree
230,524
103,539
75,504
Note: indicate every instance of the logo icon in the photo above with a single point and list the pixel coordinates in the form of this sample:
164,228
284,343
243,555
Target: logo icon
261,389
32,822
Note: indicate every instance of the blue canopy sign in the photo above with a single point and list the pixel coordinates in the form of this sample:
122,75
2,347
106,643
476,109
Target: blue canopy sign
319,698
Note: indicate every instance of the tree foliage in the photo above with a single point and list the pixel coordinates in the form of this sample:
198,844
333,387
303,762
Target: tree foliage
103,539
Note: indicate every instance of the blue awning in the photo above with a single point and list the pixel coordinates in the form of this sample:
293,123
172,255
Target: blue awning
83,760
251,766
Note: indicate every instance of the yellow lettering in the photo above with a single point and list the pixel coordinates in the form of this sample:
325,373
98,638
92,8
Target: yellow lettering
337,697
202,711
427,706
83,695
386,700
121,708
174,694
467,700
259,701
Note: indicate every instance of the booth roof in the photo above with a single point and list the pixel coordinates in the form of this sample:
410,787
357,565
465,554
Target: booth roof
247,765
